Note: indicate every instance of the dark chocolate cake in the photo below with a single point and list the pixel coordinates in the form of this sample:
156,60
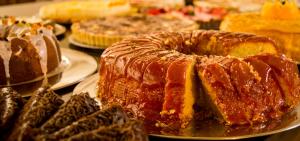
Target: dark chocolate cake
78,106
45,117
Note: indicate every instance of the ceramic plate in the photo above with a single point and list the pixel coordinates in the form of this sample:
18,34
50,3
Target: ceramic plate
211,130
79,66
88,85
74,42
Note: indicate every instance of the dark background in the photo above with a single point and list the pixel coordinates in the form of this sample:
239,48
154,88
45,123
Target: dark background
6,2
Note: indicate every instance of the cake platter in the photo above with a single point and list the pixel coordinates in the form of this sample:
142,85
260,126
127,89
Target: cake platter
81,45
208,130
73,72
26,88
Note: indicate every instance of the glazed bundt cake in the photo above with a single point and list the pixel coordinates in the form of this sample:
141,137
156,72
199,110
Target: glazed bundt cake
161,78
28,51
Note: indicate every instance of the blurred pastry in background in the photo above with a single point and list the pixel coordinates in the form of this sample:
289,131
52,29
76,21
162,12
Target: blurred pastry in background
208,15
70,11
106,31
57,29
279,20
157,4
241,5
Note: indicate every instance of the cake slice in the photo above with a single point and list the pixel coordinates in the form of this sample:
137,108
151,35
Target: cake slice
180,91
250,91
153,84
78,106
274,99
130,131
11,103
40,107
287,75
102,118
220,95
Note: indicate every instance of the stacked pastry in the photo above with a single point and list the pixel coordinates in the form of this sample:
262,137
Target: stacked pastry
46,117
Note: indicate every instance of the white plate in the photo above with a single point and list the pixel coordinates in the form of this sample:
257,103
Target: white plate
214,132
74,42
79,66
88,85
59,29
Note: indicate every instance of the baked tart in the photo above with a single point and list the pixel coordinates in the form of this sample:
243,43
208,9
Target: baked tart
106,31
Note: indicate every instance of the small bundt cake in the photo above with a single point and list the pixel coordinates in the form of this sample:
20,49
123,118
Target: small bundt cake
162,77
27,51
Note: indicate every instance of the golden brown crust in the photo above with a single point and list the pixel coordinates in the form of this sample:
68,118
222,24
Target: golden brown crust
206,42
63,12
104,32
284,32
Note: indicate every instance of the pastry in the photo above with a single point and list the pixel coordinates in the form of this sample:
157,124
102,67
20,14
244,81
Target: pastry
72,11
104,32
279,21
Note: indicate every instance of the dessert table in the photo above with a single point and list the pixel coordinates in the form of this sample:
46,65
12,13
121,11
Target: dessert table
30,9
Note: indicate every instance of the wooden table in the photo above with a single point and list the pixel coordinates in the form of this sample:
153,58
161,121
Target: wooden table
29,9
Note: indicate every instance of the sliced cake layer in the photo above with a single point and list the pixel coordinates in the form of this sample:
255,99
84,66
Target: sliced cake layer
180,91
287,76
250,90
274,96
219,92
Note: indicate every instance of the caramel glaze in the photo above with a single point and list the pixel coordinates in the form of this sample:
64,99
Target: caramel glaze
249,91
287,75
221,92
256,86
225,41
136,73
148,66
203,42
270,87
174,90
